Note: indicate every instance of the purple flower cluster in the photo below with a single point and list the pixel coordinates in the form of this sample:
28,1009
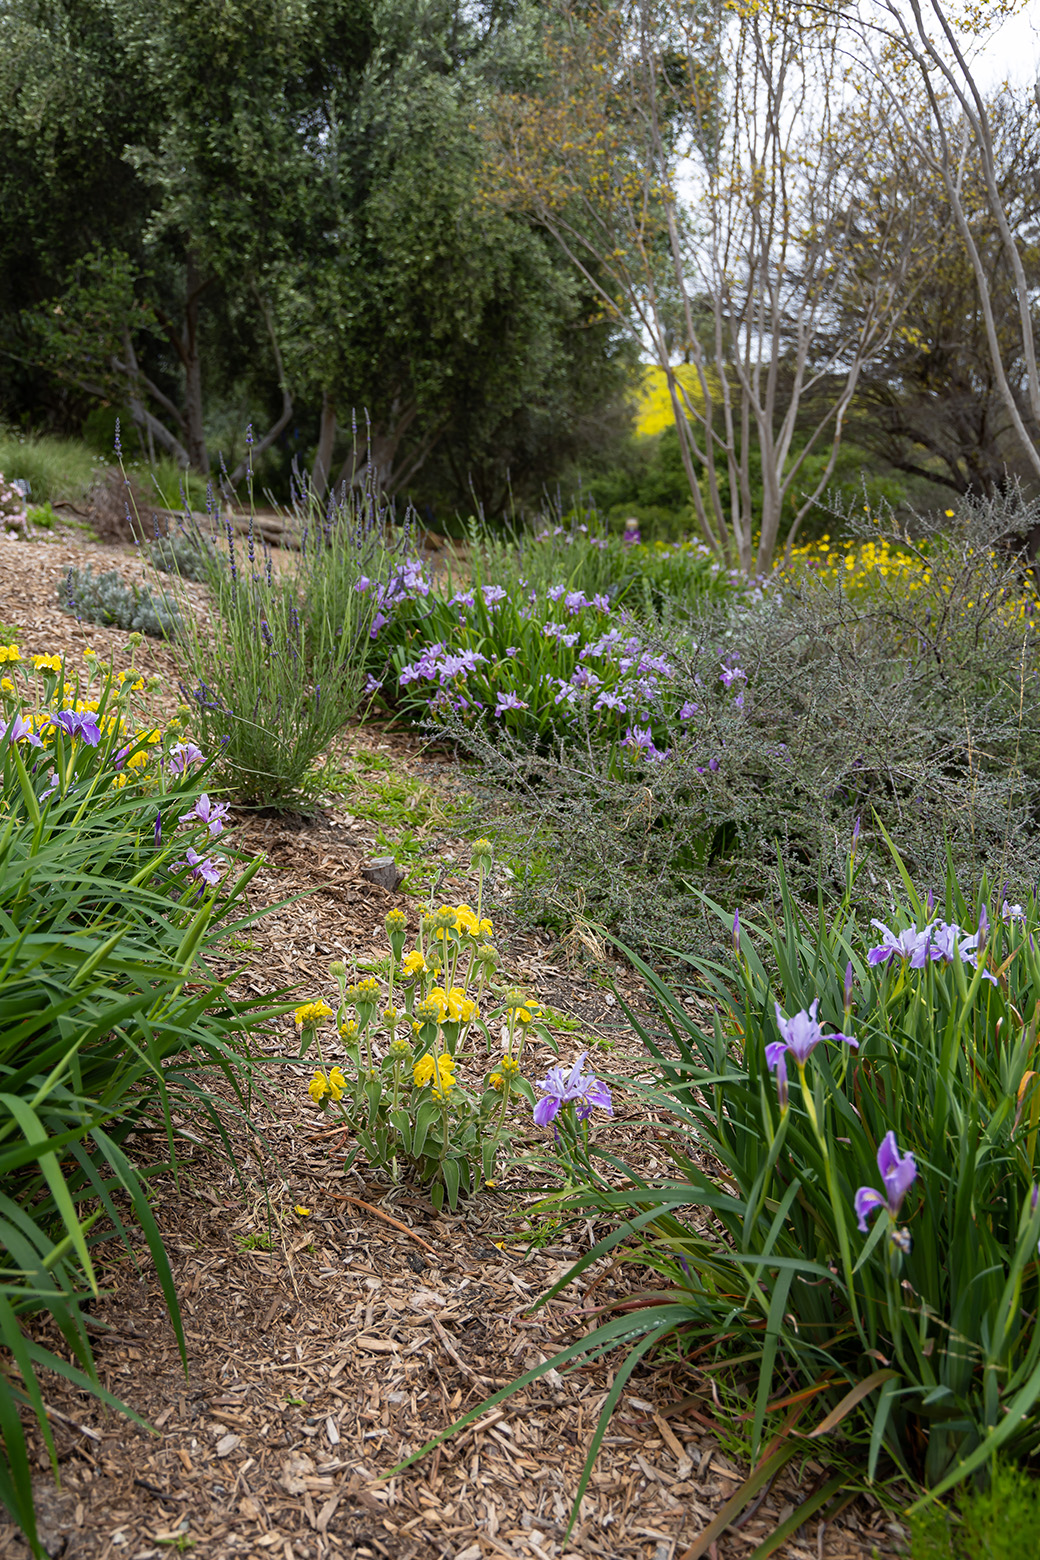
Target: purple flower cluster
939,941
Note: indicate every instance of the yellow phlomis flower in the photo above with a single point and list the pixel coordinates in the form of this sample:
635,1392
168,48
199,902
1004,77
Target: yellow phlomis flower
47,663
312,1013
414,963
9,653
426,1068
318,1087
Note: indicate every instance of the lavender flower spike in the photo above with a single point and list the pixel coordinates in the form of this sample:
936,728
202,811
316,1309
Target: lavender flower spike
898,1172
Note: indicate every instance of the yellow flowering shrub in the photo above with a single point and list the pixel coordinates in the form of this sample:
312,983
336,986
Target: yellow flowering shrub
413,1088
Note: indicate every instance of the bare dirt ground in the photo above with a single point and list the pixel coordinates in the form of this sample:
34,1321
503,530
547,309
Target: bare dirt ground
324,1347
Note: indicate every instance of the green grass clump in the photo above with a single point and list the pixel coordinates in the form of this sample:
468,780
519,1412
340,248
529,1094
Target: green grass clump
57,470
1000,1522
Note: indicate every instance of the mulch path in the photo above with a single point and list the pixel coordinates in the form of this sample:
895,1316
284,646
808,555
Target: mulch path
324,1348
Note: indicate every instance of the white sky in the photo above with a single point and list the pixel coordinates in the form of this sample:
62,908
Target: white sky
1013,52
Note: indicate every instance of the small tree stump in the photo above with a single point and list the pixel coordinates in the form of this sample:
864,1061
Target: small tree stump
384,872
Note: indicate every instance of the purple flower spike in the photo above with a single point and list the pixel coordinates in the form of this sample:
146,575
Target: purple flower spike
575,1087
736,931
79,725
898,1172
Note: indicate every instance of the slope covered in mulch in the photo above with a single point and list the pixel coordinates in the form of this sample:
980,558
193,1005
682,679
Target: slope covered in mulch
324,1347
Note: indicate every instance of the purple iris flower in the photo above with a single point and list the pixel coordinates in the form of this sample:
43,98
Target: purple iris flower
379,621
902,946
602,602
688,711
212,814
18,730
512,650
372,684
801,1035
730,674
508,701
555,592
204,869
493,594
898,1173
1012,913
183,755
45,795
575,1087
362,583
79,724
610,701
574,600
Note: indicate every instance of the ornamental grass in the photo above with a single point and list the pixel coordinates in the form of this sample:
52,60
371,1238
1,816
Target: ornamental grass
110,1025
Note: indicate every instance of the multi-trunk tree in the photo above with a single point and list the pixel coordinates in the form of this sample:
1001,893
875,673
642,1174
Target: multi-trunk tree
692,162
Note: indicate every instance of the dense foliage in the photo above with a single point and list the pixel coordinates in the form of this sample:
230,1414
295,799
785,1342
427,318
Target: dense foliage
272,213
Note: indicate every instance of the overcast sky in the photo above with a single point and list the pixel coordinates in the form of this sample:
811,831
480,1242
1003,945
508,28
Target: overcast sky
1013,53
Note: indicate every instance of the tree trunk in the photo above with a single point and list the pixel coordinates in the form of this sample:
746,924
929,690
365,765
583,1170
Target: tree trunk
326,440
195,437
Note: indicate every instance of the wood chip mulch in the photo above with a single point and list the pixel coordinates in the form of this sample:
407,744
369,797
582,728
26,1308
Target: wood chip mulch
324,1347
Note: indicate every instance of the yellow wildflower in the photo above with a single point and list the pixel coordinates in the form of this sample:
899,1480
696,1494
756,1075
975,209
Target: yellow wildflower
497,1081
137,760
312,1013
349,1030
318,1087
6,685
47,663
414,963
304,1213
89,654
509,1065
9,653
439,998
442,1070
460,1007
337,1084
368,989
